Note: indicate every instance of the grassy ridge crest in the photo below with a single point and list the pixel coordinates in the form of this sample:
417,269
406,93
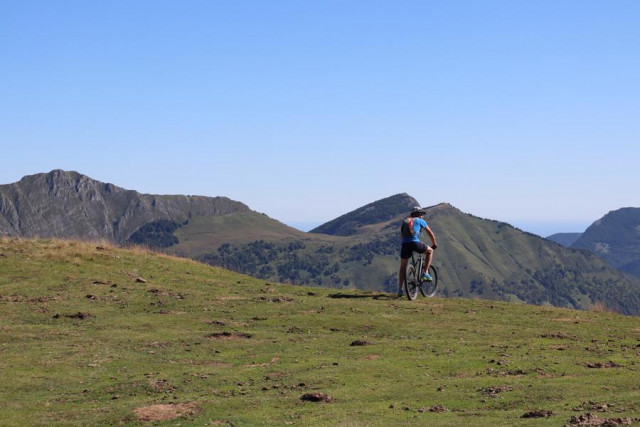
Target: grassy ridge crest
93,335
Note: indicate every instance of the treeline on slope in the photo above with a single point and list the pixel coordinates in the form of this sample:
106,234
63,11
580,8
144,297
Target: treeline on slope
615,294
294,263
560,287
157,234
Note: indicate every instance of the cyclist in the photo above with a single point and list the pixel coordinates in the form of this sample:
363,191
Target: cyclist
413,243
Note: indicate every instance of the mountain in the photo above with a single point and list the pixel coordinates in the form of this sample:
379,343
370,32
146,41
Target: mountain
373,213
616,239
72,205
565,239
476,257
67,204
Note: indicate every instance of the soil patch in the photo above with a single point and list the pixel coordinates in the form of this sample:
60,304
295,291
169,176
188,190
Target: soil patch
494,391
434,409
161,385
229,336
316,397
542,413
599,365
274,360
358,343
567,320
590,419
275,375
162,293
276,299
78,315
593,406
215,323
206,363
166,412
559,336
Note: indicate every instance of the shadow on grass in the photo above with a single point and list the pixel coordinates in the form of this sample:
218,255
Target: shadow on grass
360,296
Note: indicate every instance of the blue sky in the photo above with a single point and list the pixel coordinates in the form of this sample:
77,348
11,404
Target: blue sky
526,112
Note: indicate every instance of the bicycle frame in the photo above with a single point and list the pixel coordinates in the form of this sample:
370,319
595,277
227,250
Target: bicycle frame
413,277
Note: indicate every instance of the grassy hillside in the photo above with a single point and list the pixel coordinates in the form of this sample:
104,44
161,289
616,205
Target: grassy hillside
475,257
93,335
493,259
207,233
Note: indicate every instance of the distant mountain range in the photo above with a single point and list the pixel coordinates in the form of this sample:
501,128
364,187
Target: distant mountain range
565,239
615,238
476,257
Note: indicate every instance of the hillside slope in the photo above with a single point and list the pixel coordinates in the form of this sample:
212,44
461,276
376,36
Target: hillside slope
498,260
475,257
93,335
615,238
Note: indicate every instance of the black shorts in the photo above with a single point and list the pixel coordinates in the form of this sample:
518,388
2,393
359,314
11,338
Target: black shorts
411,247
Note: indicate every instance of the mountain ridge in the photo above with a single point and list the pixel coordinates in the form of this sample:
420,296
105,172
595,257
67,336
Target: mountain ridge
476,257
70,204
371,213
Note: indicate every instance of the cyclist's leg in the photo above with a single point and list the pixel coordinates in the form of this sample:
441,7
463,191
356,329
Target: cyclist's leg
429,258
402,279
405,254
428,252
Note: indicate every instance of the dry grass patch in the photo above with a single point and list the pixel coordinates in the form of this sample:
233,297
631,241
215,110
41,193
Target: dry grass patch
163,412
371,357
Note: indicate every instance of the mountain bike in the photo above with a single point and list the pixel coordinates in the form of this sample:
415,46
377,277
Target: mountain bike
414,280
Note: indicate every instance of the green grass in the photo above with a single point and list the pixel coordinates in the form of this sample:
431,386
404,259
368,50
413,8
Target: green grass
205,234
236,350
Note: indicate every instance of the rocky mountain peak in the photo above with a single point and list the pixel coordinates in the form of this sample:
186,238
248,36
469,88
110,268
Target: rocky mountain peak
71,205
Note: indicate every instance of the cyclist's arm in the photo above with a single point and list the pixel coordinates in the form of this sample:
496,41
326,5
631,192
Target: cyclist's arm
431,236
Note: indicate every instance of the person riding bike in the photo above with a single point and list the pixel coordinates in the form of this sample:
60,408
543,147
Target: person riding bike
413,244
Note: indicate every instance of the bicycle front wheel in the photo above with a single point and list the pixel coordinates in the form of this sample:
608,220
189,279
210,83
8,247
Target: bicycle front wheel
429,289
412,278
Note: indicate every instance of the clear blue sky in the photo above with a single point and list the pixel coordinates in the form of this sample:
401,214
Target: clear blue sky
521,111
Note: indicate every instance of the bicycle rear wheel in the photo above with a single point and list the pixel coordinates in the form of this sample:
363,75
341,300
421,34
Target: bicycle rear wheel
429,289
412,278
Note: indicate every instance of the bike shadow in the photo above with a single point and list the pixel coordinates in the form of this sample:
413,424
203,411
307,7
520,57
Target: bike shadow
382,296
